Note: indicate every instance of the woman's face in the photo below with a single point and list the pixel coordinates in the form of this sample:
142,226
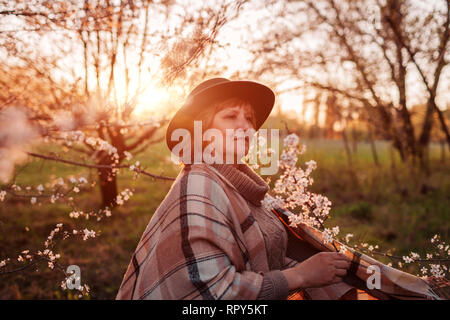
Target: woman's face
235,118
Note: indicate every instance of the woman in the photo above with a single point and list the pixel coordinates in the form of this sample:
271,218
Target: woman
210,238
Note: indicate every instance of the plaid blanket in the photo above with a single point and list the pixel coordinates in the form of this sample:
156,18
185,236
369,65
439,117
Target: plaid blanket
394,284
201,243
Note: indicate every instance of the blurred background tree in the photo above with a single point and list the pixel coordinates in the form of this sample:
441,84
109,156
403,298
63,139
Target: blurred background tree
382,57
88,65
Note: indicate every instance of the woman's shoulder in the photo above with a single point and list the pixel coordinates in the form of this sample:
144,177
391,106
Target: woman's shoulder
199,180
202,180
199,175
196,189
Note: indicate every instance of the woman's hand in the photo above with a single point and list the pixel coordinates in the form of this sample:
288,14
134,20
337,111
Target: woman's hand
321,269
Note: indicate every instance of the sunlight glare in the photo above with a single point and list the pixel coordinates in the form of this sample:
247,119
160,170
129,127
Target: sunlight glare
152,100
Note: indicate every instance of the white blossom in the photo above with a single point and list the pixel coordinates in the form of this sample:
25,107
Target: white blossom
327,236
53,198
348,236
123,196
88,234
335,230
82,180
435,237
75,214
414,255
291,140
407,259
292,186
128,155
107,212
437,271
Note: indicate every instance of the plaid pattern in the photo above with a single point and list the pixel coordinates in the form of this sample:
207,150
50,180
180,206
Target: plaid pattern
394,284
201,243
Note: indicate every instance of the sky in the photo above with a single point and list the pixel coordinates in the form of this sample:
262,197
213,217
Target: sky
253,22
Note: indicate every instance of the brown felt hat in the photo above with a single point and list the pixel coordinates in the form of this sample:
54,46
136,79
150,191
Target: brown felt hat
214,90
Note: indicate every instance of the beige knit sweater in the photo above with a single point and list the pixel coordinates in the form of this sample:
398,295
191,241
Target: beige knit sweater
253,188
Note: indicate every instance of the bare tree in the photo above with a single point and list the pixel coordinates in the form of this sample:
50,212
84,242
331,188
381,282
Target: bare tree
362,51
429,57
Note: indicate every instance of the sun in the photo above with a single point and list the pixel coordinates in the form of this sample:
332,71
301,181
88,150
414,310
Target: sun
151,99
147,95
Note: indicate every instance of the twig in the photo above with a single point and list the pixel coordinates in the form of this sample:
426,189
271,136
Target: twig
401,258
98,166
23,267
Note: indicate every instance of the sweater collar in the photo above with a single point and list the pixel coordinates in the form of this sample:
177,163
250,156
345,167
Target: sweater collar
251,186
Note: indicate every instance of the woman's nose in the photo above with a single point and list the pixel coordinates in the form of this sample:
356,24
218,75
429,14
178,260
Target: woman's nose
243,123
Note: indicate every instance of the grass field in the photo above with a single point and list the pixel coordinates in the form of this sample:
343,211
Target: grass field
389,207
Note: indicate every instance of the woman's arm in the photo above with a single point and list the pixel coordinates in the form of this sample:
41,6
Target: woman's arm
321,269
324,269
274,286
289,263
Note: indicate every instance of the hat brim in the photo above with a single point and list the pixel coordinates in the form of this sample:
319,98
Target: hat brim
260,96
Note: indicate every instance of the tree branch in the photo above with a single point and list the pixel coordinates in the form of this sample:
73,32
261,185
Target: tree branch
99,166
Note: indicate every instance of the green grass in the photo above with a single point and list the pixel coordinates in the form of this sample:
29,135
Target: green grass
392,211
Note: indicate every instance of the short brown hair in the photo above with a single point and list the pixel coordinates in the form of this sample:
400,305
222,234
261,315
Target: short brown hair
207,116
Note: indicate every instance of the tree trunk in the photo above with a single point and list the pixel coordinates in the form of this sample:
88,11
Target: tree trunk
351,171
393,167
347,148
373,146
108,187
408,128
354,140
424,139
